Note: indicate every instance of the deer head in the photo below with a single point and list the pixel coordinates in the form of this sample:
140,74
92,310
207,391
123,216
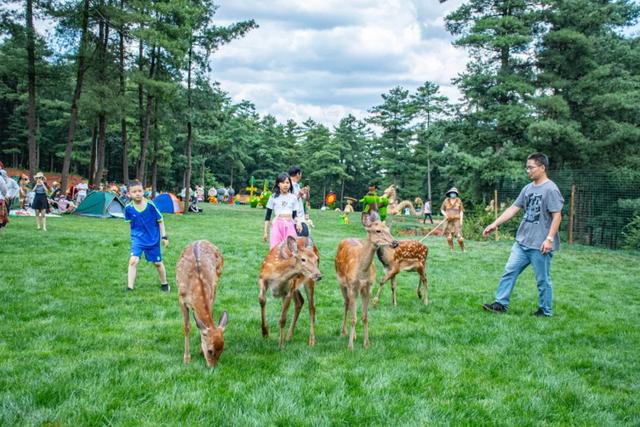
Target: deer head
378,232
303,260
212,339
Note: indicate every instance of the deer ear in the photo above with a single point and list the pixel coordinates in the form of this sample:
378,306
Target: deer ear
309,243
374,216
199,324
292,244
366,220
222,324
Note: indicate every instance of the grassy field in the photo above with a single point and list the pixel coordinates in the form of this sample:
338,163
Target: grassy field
75,349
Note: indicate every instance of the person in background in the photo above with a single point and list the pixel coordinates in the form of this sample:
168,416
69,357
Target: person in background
283,203
453,211
13,189
4,211
41,200
147,231
81,191
295,172
427,212
536,238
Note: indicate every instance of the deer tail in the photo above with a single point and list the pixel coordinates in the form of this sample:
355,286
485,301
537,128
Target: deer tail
196,256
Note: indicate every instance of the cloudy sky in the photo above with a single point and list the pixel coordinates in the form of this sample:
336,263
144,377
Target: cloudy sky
325,58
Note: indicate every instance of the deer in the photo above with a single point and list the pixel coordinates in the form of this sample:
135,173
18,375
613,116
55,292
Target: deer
410,255
287,268
356,272
197,273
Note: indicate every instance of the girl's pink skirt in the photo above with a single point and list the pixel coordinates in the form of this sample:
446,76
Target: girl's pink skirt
280,230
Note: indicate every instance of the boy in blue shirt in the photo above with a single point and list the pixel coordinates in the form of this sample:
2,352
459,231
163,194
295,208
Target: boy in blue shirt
147,229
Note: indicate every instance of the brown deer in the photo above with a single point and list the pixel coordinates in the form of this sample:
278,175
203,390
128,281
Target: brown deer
197,273
356,273
410,255
286,268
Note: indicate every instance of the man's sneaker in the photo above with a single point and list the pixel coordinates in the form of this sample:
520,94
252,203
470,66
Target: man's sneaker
540,313
165,287
495,307
128,289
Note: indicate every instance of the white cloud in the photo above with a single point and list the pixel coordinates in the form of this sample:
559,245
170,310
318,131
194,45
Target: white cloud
324,58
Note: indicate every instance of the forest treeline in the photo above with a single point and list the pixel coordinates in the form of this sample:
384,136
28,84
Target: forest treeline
124,90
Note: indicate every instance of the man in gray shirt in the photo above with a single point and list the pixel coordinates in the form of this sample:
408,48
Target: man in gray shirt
536,239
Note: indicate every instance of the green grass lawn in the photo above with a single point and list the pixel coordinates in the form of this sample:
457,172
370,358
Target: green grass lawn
75,349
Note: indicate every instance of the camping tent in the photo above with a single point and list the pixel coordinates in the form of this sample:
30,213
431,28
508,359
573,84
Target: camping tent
101,205
168,203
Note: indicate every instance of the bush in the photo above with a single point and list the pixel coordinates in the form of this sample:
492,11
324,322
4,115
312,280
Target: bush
631,233
477,219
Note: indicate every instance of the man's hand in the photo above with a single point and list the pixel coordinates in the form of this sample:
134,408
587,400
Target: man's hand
299,227
490,229
165,242
264,237
546,247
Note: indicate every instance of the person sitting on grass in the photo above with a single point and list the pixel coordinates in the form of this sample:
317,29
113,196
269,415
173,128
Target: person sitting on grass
65,206
147,229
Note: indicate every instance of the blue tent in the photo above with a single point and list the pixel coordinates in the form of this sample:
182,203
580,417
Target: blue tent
168,203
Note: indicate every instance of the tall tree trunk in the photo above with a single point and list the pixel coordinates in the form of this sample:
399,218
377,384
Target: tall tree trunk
140,99
100,152
92,162
154,162
123,118
102,118
84,40
342,195
144,143
31,87
202,172
189,133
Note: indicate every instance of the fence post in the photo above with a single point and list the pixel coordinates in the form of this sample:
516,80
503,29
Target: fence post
495,210
571,212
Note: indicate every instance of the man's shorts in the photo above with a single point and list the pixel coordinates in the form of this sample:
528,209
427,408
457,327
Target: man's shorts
151,253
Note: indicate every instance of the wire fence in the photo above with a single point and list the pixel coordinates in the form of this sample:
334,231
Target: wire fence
598,205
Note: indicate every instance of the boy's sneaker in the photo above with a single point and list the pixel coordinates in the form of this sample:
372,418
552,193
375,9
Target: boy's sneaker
540,313
164,287
495,307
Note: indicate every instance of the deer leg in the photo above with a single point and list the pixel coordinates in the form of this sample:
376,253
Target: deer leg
187,329
310,288
283,317
366,294
394,285
450,242
263,303
352,308
422,271
345,295
385,278
298,301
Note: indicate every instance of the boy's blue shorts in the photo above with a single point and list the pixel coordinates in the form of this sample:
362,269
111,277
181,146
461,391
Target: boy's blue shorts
151,253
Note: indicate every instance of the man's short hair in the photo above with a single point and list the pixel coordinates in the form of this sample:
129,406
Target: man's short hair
540,158
134,183
294,170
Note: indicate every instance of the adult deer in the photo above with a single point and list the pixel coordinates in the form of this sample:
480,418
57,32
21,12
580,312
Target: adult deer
287,268
197,273
356,273
410,255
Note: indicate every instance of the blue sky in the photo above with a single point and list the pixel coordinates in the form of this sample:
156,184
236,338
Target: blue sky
324,58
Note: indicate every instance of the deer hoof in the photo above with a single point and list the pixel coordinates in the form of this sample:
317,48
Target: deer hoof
312,341
187,360
265,332
375,301
365,344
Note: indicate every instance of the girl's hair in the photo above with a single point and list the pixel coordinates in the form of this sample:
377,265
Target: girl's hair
281,178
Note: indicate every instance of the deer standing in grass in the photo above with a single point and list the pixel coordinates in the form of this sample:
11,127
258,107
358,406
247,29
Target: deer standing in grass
410,255
287,268
356,273
197,273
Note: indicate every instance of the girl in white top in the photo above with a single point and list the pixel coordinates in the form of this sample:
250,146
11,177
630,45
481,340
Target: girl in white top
284,204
